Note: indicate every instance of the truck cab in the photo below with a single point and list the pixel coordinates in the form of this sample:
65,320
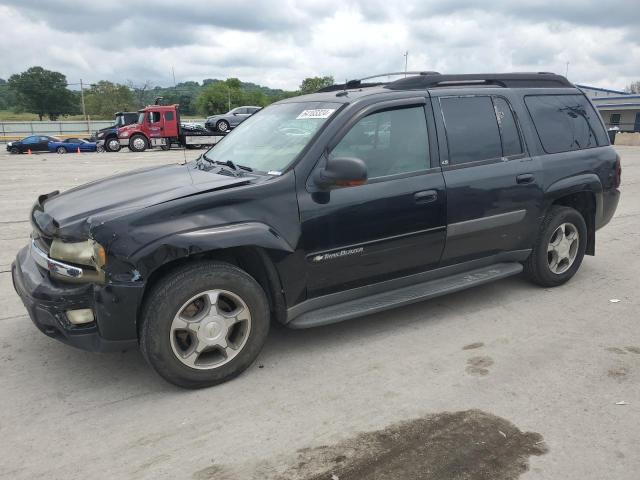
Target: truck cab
109,135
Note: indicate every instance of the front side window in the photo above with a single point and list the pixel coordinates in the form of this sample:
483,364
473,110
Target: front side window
472,129
30,140
273,138
154,117
565,122
389,142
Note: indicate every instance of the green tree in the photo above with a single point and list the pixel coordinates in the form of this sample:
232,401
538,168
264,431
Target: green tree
214,98
104,99
313,84
43,92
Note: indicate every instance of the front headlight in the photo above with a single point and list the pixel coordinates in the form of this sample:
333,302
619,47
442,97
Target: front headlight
123,134
9,144
89,253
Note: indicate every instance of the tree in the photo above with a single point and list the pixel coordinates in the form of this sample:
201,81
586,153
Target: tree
104,99
214,98
43,92
633,87
313,84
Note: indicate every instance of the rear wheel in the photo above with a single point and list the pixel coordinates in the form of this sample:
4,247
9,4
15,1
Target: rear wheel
138,143
559,249
112,144
204,324
61,150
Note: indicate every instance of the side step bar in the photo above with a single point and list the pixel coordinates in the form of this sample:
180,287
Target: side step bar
404,296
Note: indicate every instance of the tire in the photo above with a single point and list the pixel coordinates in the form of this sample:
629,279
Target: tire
222,126
61,150
138,143
14,150
112,144
166,339
167,146
545,266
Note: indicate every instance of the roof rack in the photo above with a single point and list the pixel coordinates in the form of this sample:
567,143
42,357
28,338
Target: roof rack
511,80
359,83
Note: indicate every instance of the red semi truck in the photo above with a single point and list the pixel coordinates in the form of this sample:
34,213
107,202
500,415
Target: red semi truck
159,126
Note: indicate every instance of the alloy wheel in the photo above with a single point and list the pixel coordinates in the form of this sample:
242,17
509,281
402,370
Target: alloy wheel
563,248
210,329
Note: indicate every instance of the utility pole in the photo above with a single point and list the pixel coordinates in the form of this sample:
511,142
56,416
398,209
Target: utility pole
566,73
84,110
406,61
173,72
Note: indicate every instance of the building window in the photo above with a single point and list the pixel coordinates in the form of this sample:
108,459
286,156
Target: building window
614,120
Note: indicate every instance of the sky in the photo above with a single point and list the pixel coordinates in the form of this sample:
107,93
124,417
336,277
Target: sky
278,43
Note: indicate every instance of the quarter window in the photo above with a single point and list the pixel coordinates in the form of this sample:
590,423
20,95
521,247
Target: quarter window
389,142
472,129
565,122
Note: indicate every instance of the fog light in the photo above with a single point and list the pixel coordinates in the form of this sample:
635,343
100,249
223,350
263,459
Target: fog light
80,317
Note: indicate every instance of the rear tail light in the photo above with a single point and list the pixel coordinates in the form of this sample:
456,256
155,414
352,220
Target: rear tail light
618,175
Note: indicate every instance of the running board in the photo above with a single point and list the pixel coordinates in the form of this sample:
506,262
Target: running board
404,296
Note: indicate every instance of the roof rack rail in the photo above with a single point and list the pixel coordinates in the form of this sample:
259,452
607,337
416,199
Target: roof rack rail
512,80
359,83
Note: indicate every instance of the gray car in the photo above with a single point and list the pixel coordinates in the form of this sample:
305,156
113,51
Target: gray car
231,119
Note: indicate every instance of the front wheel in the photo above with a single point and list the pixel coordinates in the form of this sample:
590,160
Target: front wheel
112,145
204,324
222,126
14,150
138,143
61,150
559,248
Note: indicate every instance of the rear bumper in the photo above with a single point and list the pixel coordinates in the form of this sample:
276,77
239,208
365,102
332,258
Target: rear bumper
47,303
610,199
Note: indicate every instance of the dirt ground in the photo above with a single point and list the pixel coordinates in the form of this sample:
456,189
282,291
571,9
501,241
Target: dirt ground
503,381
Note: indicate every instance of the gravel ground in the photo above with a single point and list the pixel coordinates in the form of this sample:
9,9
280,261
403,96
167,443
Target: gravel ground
503,381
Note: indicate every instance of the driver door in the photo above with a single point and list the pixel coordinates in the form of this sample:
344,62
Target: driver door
394,225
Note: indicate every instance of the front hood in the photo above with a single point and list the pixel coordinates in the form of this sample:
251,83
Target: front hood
110,197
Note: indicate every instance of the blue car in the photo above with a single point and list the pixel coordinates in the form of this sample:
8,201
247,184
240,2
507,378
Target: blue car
71,145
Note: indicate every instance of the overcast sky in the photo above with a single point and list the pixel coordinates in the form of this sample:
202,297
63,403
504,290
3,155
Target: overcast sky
277,43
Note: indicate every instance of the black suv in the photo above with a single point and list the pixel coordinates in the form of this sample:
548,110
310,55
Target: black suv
322,208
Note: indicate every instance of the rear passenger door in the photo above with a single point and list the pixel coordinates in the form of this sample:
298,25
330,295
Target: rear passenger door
494,198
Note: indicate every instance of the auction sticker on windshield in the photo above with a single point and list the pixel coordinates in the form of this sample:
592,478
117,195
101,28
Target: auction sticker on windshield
316,113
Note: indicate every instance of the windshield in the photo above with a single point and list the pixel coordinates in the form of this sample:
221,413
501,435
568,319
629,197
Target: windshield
271,139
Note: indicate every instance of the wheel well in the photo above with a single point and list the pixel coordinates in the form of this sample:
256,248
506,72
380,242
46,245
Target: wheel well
252,260
585,203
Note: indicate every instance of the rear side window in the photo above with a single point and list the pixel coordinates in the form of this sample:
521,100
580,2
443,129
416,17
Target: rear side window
565,122
472,129
511,144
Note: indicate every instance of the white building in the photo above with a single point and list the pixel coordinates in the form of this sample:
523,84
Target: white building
618,109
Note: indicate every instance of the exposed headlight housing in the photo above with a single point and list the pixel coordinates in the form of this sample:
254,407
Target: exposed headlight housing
100,135
123,134
89,253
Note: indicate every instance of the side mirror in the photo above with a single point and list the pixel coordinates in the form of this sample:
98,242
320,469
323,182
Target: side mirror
341,172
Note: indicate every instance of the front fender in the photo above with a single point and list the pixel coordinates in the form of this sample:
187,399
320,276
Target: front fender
185,244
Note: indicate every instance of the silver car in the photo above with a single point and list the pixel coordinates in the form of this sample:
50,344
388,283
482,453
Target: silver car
231,119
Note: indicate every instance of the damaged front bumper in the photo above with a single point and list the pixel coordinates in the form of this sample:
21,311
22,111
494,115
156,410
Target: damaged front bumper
47,301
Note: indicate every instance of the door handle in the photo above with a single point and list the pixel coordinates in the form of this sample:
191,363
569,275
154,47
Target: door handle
525,178
426,196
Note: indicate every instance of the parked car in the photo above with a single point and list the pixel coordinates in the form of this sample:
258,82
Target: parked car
231,119
323,208
35,143
71,145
